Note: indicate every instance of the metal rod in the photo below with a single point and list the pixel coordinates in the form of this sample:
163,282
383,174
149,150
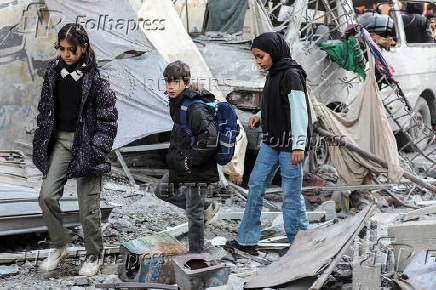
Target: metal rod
125,168
372,157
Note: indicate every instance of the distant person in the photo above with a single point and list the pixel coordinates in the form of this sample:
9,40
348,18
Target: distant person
433,28
416,26
77,125
374,21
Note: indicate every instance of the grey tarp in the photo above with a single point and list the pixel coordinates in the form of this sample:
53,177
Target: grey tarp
139,87
226,15
29,30
111,24
137,81
164,41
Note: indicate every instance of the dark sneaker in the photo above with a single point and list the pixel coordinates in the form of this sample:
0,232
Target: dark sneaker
246,249
283,251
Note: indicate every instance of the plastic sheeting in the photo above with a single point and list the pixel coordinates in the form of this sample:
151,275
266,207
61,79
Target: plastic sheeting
137,81
139,86
365,125
112,25
226,15
174,43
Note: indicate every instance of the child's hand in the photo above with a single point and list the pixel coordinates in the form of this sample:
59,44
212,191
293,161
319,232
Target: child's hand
253,121
297,157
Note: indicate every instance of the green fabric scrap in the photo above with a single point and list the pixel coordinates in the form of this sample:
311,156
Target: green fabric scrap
348,55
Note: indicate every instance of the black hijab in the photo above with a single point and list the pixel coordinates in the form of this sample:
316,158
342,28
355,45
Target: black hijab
284,75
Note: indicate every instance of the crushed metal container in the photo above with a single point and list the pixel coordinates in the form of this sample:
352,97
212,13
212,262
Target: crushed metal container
199,271
149,259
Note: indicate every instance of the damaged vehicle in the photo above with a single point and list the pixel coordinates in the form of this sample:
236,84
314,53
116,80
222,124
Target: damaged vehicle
409,100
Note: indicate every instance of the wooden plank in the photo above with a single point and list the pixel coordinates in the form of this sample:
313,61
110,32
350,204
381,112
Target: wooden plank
148,171
125,168
272,246
244,193
140,178
341,142
142,148
177,230
367,187
226,214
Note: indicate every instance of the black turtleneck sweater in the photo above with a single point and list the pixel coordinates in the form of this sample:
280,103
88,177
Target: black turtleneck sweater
68,97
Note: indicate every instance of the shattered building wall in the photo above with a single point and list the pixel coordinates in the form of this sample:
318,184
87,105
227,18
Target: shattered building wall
26,44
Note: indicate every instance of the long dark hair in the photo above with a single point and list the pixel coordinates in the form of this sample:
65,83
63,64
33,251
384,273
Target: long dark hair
76,35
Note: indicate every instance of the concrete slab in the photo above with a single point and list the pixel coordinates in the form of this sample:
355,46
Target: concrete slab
415,214
410,238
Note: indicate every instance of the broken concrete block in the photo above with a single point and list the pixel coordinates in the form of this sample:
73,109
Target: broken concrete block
218,253
234,283
199,271
415,214
366,262
410,238
218,241
111,279
8,270
330,209
81,281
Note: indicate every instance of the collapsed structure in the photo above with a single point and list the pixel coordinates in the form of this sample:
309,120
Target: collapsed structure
391,189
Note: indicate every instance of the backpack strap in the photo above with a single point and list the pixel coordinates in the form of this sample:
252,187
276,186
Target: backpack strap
183,115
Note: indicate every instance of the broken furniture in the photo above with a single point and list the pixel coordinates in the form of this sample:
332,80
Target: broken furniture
199,271
149,259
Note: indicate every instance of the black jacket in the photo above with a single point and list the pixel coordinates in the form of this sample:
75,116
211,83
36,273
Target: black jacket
96,128
199,158
417,28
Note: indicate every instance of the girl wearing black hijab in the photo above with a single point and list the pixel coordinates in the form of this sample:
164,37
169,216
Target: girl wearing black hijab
286,127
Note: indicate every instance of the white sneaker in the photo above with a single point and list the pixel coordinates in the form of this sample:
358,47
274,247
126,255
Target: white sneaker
210,212
91,266
54,259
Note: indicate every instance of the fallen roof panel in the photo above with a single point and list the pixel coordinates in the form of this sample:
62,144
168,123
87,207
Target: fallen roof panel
311,252
20,211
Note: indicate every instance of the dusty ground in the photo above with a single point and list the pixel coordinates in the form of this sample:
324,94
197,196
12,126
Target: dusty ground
136,213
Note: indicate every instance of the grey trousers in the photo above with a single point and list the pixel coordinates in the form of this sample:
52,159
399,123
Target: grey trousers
191,198
88,194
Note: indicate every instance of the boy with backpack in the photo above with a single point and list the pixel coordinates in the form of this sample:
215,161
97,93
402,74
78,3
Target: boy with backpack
196,140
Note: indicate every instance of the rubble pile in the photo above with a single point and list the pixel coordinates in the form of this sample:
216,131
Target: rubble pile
373,254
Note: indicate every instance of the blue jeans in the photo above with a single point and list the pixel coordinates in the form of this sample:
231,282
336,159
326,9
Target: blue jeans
294,209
